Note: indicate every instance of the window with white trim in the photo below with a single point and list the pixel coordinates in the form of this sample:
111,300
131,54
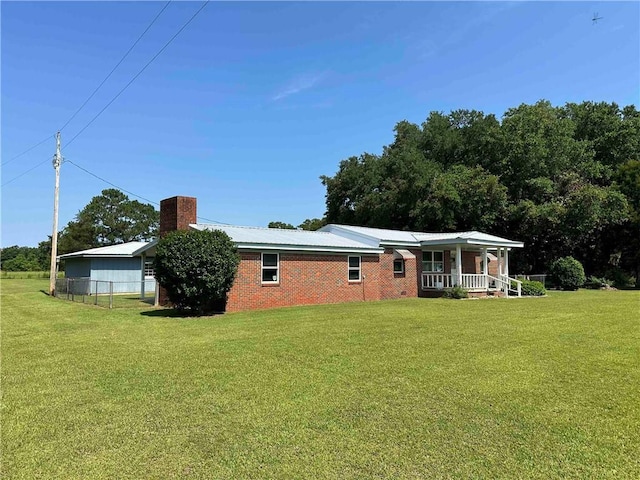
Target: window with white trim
354,269
398,265
149,271
270,267
433,261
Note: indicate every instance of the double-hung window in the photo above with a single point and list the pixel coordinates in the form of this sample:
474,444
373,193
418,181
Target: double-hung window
354,269
270,268
398,265
149,271
433,261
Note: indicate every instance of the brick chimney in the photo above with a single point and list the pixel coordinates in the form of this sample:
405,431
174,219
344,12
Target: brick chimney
176,213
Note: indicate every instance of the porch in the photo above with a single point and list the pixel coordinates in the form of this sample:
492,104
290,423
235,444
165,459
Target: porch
466,264
473,282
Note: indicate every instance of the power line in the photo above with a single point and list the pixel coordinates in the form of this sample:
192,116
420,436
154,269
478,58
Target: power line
96,89
129,192
24,173
117,65
140,72
28,150
110,183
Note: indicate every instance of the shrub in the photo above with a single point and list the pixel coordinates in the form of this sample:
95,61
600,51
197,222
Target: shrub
531,288
596,282
197,269
456,292
567,273
621,279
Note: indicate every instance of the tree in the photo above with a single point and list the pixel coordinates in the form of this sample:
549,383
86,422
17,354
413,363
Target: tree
23,259
109,219
197,269
564,180
313,224
286,226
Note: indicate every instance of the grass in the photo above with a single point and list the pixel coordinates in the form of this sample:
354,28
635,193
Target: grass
27,275
416,388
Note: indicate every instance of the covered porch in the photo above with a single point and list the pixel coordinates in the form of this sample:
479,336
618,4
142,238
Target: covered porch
476,261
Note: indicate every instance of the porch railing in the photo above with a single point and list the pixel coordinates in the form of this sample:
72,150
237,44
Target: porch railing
439,281
473,282
436,281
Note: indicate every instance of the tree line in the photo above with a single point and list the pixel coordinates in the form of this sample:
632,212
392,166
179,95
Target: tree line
563,179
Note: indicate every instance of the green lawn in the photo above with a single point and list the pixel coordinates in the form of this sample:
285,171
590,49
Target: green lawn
417,388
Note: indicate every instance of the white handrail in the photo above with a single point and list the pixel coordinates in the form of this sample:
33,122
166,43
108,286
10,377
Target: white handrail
505,284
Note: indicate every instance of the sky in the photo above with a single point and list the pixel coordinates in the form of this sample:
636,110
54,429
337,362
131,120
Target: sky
252,102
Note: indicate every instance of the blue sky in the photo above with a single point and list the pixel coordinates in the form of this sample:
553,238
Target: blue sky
254,101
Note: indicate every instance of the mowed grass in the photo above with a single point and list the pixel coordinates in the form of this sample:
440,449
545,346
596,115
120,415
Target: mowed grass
416,388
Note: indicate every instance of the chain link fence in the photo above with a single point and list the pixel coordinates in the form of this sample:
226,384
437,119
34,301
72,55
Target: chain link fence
105,293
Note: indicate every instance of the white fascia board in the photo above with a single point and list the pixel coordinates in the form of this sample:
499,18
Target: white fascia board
400,244
307,248
93,255
465,241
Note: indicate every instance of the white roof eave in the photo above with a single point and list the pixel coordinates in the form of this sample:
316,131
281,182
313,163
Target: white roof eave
307,248
471,241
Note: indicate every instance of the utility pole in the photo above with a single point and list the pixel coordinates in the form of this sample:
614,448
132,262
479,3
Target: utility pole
57,161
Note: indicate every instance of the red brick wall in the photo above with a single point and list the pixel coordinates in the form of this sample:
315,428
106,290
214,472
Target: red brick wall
399,285
176,213
304,279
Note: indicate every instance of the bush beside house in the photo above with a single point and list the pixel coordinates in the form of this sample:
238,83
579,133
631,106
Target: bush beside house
197,269
531,288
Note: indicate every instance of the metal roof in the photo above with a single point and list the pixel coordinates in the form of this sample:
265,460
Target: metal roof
404,238
288,239
129,249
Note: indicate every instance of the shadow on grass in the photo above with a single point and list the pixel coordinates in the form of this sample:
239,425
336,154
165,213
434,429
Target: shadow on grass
173,313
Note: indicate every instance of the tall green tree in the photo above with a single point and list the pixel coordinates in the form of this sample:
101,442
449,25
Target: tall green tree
109,219
563,179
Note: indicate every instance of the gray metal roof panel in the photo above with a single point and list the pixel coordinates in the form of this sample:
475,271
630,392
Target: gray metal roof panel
285,238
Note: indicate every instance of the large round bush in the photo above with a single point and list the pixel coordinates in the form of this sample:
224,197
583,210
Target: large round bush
197,269
567,273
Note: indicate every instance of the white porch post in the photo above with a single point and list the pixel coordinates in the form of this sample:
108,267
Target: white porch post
143,258
499,255
506,262
485,268
459,265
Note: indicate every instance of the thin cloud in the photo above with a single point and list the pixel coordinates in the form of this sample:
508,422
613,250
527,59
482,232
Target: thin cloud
297,85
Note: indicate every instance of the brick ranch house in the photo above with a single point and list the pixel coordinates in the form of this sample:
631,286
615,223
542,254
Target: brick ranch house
341,263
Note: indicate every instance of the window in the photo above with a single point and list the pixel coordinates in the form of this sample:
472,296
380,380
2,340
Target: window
149,271
270,267
398,266
433,261
354,269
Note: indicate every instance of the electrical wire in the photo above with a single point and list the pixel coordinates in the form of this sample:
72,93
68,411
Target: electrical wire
24,173
28,149
96,89
129,192
110,183
116,66
139,73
